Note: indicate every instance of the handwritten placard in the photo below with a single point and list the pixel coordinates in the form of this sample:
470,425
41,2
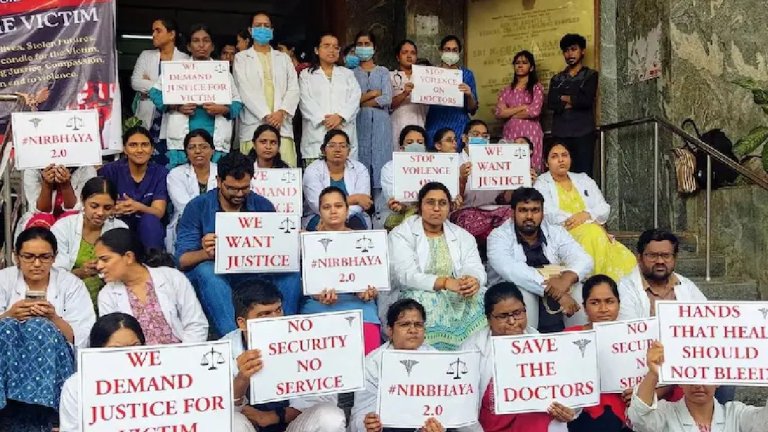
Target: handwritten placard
500,166
623,345
718,343
417,385
249,242
414,170
196,82
347,261
436,86
68,138
532,371
167,387
307,355
282,187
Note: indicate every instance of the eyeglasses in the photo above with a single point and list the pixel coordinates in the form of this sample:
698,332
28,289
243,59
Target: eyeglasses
433,202
409,324
517,314
654,256
30,258
236,190
334,146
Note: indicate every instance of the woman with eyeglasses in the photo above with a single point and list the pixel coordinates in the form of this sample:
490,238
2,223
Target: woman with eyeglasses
336,168
44,311
392,212
142,189
437,264
405,112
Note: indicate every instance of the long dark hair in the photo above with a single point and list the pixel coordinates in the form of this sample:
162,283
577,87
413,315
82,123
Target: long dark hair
122,240
96,186
109,324
533,77
316,57
278,161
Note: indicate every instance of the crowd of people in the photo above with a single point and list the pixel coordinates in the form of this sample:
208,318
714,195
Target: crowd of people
134,241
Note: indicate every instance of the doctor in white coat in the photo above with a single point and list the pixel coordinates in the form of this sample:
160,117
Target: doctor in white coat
330,99
269,89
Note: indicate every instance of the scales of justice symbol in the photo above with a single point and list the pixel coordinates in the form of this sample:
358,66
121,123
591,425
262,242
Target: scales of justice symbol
457,368
364,244
287,225
212,359
75,123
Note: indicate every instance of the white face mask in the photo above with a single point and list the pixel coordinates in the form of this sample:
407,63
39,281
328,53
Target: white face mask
450,58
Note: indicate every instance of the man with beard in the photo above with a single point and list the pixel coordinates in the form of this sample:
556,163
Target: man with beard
572,98
541,259
654,278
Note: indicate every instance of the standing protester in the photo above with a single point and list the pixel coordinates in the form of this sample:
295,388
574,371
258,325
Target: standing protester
404,112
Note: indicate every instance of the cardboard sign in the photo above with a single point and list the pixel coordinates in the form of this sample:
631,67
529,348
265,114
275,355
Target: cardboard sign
722,343
282,187
166,387
249,242
500,166
436,86
68,138
532,371
621,349
414,170
306,355
196,82
347,261
417,385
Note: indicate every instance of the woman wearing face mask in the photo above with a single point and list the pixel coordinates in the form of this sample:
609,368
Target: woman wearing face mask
216,119
404,112
455,118
77,234
393,212
351,61
165,38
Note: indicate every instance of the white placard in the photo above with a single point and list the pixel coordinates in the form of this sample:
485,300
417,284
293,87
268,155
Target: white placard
250,242
196,82
165,387
718,343
417,385
500,166
307,355
437,86
68,138
281,186
622,348
532,371
347,261
414,170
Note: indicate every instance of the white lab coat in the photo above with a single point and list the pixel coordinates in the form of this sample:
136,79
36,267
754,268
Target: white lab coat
65,292
148,64
674,417
249,77
593,199
635,303
387,192
320,97
69,233
182,187
177,299
317,177
69,415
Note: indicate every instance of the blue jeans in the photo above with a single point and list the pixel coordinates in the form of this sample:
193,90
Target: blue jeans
215,293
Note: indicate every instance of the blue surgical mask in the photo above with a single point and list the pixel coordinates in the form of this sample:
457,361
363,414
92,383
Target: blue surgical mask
364,52
415,148
262,35
351,61
478,140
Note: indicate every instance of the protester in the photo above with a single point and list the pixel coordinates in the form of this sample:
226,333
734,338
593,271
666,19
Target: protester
269,88
297,57
336,168
573,201
405,112
76,235
392,212
350,60
52,193
227,53
244,40
160,297
330,99
141,188
520,105
437,264
266,148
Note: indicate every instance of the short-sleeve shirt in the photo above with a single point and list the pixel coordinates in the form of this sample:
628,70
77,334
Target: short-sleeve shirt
152,187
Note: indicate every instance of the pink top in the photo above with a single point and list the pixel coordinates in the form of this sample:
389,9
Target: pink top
157,331
492,422
528,127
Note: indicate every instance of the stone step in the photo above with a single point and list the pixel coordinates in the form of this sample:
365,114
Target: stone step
692,266
689,242
752,395
728,288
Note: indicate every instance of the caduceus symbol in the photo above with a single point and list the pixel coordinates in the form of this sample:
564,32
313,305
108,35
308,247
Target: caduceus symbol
409,364
350,320
364,244
287,226
35,121
325,242
764,311
75,123
582,344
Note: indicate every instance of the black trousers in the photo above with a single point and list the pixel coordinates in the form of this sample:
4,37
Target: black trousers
582,150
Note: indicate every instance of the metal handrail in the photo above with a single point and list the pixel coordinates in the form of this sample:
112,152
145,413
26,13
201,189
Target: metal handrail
9,209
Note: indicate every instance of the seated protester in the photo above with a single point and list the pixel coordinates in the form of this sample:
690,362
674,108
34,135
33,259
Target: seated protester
336,168
506,314
141,188
191,179
114,330
437,264
573,201
406,319
601,304
391,212
178,120
196,243
259,300
160,297
52,193
333,217
697,411
76,235
266,148
43,311
518,252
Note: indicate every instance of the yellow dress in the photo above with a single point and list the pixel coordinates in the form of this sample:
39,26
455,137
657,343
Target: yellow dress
611,257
